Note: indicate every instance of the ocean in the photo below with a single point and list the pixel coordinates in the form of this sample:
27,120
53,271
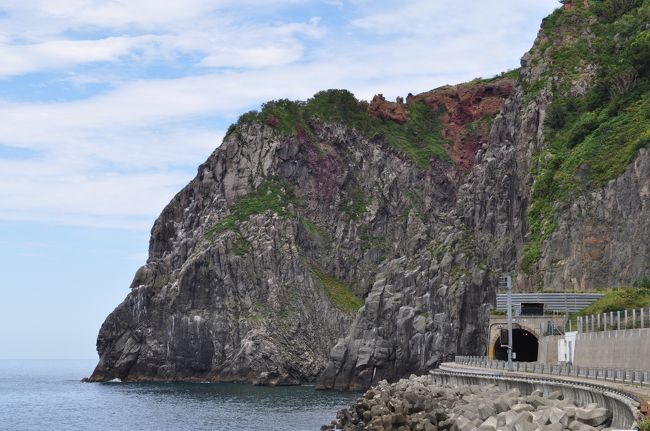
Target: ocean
48,395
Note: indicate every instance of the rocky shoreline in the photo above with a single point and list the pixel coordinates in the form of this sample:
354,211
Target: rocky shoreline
419,404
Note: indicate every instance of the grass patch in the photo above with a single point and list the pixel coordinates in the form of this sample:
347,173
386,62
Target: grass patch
619,299
241,246
356,204
273,194
315,231
339,294
415,202
420,138
508,74
592,139
644,425
380,243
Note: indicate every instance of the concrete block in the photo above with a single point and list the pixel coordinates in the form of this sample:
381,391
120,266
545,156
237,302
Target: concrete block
555,395
593,416
558,416
551,427
486,427
536,401
486,410
511,417
570,410
525,426
470,411
579,426
501,405
490,422
540,417
525,422
522,408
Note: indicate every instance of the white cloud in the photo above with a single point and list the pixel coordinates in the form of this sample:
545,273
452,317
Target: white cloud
57,54
426,17
118,14
253,57
115,159
33,34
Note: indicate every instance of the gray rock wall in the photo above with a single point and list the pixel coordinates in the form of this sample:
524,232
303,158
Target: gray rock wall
603,239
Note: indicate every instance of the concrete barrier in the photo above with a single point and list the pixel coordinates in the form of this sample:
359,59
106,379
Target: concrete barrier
564,369
626,349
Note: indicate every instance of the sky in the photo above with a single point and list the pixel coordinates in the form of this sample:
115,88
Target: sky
107,107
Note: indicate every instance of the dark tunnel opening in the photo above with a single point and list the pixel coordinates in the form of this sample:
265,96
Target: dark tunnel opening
524,347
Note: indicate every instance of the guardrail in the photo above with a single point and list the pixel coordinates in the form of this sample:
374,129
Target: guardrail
615,320
640,377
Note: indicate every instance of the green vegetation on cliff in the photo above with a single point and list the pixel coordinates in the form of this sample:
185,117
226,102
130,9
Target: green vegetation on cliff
624,298
356,203
420,138
273,194
339,294
590,138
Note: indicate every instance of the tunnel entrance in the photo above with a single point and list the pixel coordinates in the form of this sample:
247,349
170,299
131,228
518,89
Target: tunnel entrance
524,346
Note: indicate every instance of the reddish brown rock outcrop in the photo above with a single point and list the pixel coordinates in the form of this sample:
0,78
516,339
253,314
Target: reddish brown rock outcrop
467,111
393,111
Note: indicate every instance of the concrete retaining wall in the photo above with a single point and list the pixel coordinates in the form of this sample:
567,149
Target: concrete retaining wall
547,349
623,407
617,349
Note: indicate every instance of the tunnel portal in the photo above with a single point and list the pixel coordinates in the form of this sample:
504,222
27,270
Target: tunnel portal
524,346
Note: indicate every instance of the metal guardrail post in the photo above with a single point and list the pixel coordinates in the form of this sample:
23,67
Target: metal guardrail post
605,321
634,319
618,318
625,314
598,323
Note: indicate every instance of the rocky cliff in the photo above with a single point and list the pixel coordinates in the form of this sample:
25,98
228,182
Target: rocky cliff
350,242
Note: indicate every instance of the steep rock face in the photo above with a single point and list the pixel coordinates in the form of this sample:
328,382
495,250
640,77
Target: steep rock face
602,239
242,306
426,307
257,268
234,290
583,167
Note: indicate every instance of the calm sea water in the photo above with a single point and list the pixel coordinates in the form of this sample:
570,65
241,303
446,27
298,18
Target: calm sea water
47,395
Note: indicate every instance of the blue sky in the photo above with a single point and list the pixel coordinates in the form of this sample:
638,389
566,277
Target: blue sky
108,107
